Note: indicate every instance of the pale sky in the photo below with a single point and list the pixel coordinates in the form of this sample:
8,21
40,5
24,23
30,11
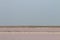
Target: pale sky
30,12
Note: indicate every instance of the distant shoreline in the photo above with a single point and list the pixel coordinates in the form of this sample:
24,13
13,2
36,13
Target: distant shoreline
28,26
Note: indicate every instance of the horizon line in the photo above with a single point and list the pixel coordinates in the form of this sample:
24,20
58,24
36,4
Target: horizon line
27,26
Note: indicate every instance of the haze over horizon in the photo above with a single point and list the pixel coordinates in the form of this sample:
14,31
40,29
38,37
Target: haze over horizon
30,12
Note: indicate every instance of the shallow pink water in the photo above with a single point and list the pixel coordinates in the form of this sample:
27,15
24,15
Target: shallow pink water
31,29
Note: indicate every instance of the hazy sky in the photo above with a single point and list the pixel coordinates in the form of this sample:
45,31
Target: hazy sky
29,12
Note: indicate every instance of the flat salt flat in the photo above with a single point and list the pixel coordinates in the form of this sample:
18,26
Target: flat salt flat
29,35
